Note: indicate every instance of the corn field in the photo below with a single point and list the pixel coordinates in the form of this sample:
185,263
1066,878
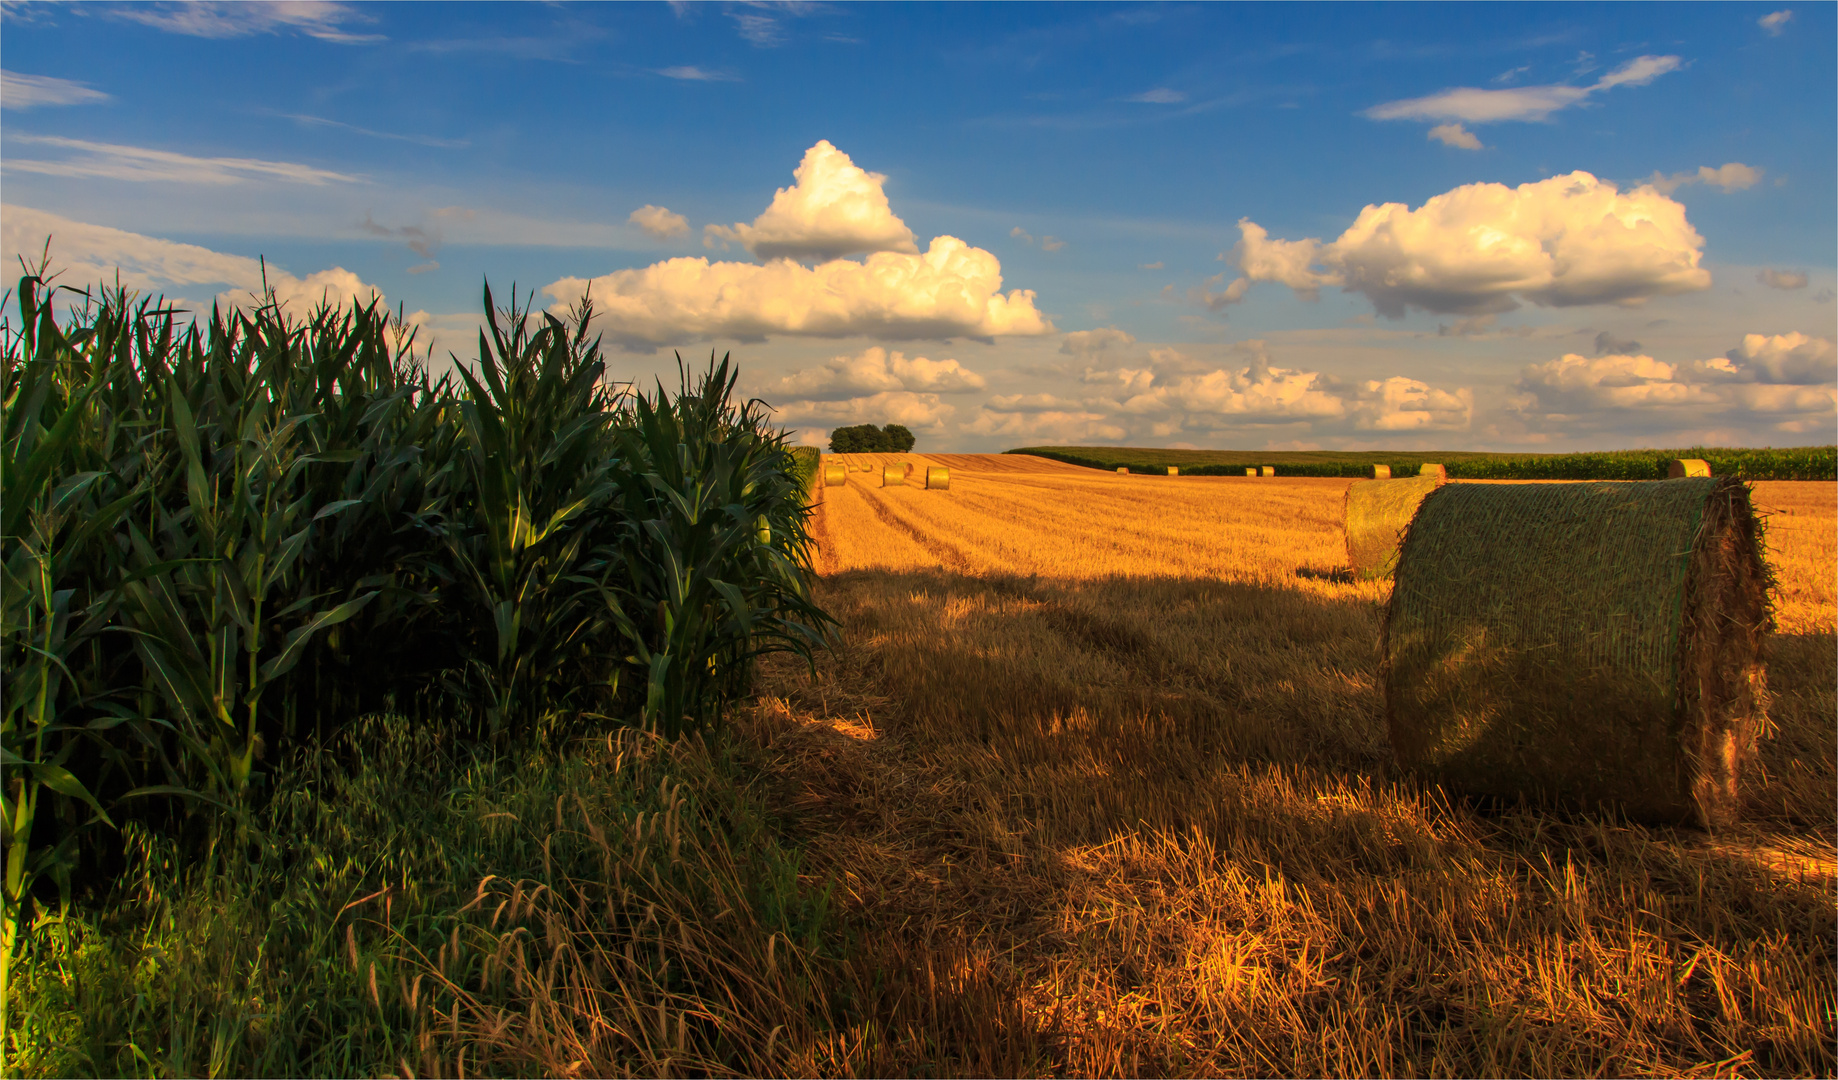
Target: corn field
227,540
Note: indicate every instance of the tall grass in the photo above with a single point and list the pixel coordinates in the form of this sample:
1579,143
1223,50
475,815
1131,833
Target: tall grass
225,540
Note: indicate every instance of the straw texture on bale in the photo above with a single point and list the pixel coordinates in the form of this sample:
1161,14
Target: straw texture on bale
937,478
1594,643
1381,472
835,475
1174,470
1431,469
1269,470
1678,468
893,476
1378,512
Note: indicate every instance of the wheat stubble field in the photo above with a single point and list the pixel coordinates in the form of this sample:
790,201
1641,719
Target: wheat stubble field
1100,782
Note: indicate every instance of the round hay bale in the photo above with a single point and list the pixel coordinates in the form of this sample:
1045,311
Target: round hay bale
1679,468
1378,512
1594,643
835,475
1269,470
937,478
893,476
1124,469
1250,472
1174,470
1432,469
1381,472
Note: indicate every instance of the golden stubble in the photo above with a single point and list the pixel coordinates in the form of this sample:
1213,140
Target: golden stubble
1113,744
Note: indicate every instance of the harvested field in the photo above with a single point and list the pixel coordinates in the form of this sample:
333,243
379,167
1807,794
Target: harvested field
1101,782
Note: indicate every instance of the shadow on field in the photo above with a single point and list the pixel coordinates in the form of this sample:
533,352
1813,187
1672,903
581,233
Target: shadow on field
1151,826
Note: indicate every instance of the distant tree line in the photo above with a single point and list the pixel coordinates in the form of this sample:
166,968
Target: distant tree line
868,439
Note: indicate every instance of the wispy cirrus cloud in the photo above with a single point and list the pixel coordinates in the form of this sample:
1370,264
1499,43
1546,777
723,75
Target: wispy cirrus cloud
1528,103
114,161
1775,22
691,73
418,140
321,19
19,92
1161,95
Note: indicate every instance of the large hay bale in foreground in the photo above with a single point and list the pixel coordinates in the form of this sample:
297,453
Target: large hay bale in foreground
1440,472
1378,512
937,478
1381,472
835,475
1596,643
893,476
1678,468
1269,470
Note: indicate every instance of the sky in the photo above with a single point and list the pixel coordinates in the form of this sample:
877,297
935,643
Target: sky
1501,226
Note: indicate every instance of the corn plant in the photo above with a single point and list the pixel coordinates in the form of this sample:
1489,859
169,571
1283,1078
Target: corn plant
711,564
226,539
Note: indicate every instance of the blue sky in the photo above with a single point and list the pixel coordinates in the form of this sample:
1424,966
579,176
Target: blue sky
1238,226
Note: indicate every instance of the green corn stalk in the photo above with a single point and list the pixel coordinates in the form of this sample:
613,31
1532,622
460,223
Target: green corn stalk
534,449
713,542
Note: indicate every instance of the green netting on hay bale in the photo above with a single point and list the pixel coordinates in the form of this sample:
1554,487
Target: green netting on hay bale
1595,643
1378,512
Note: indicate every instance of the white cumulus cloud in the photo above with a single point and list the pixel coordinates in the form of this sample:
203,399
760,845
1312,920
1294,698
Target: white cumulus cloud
875,371
903,407
1784,379
896,293
659,223
1731,176
19,92
953,290
1482,248
835,209
1457,136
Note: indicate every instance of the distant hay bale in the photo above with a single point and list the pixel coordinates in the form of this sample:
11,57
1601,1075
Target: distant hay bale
1378,512
1381,472
937,478
1174,470
1432,469
835,475
1124,469
1678,468
893,476
1598,643
1269,470
1250,472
